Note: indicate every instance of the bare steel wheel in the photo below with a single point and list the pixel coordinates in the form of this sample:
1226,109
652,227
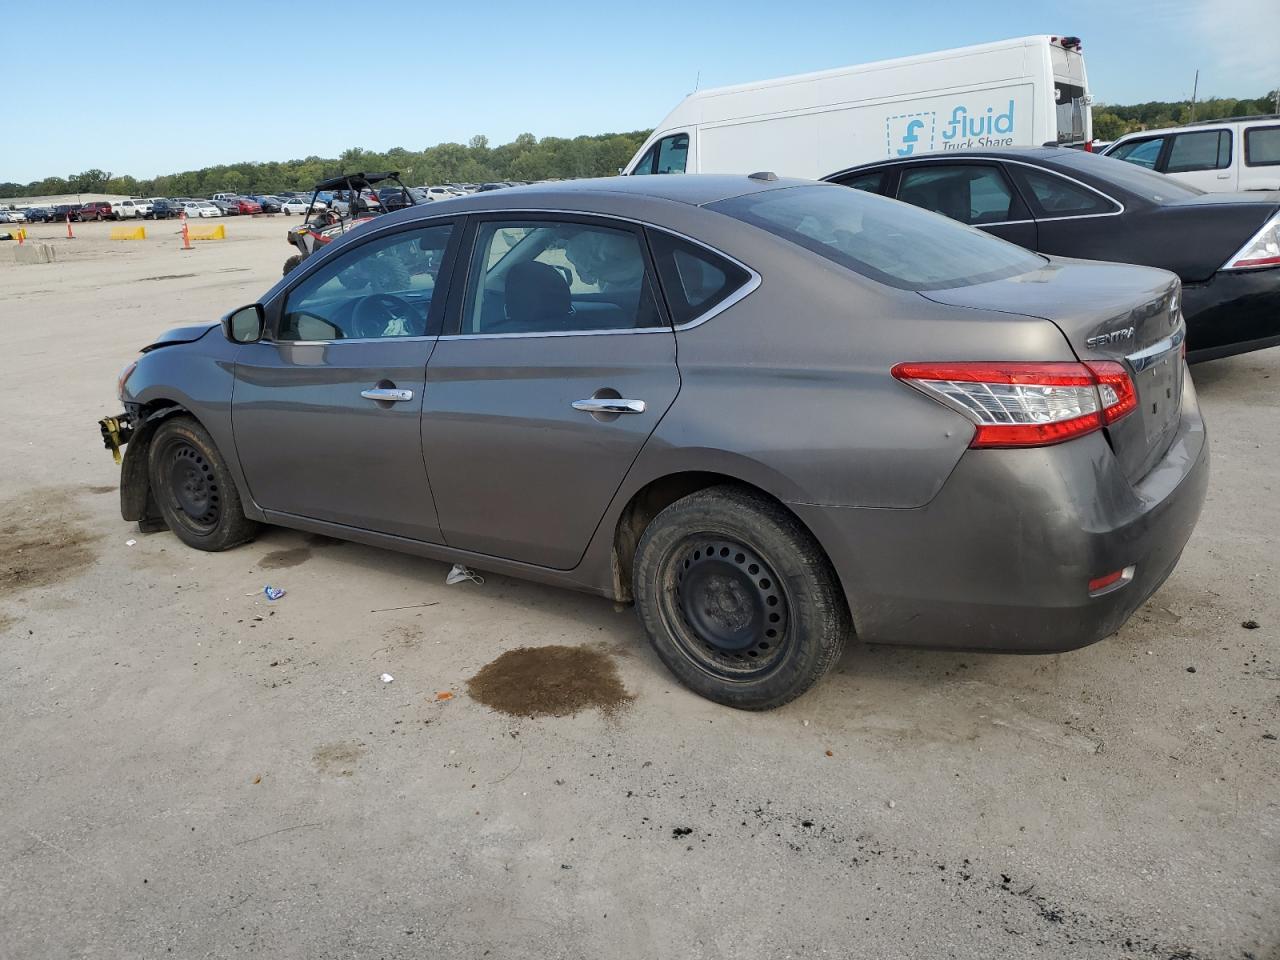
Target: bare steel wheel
194,489
738,599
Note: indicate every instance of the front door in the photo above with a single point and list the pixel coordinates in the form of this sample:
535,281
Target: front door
558,367
326,412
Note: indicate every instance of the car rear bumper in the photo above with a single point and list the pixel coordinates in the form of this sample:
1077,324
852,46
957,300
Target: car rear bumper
1233,312
1001,558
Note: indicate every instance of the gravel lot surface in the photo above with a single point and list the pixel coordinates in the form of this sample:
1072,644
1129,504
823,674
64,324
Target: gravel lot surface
192,771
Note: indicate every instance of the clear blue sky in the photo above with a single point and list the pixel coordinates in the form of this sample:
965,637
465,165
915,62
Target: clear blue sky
148,88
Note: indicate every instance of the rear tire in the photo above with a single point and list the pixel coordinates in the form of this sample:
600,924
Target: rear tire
291,263
194,488
738,599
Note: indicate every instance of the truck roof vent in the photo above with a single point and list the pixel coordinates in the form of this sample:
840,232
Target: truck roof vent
762,175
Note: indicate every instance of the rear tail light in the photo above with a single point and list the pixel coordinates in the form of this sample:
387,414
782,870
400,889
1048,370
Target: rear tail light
1027,404
1263,250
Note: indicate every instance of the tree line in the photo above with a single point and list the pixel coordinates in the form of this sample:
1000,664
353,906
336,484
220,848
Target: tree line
525,158
1111,121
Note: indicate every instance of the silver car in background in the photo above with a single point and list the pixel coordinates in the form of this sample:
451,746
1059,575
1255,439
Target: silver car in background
773,414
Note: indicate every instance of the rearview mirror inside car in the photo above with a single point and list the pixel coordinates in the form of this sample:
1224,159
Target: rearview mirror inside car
244,325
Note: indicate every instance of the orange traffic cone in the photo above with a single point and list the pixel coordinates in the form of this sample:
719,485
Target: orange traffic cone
186,237
70,235
22,235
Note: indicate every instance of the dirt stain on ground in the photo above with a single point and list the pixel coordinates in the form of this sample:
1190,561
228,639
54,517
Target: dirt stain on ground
338,759
6,622
279,559
553,681
41,541
100,489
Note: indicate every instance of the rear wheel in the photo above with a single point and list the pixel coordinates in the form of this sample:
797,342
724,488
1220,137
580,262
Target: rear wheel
194,488
738,599
292,262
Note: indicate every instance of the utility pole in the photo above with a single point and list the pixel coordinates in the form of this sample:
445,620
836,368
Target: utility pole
1195,87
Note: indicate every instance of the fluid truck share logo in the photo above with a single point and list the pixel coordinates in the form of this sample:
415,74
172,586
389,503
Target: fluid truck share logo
989,129
910,133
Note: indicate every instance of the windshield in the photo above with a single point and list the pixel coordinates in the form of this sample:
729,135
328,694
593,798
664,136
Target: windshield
1147,184
890,242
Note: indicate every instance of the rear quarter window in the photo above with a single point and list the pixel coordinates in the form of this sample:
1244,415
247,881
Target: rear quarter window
694,279
889,242
1262,146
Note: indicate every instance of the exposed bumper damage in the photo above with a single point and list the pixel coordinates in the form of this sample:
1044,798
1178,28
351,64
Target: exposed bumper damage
132,431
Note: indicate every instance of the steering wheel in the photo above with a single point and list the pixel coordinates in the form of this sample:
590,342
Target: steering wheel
374,313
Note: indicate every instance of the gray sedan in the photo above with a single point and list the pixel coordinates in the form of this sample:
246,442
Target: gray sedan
773,414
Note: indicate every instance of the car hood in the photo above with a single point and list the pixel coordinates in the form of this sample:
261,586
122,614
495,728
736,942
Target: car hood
179,335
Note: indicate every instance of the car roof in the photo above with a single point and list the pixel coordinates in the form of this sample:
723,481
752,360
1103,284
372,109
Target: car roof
696,189
1029,154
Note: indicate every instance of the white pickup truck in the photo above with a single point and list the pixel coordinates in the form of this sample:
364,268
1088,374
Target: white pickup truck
132,209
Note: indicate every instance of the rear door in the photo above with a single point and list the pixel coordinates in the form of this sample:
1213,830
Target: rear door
559,365
975,192
326,412
1071,216
1204,159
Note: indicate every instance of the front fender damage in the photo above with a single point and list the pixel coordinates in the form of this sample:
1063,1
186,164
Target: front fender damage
134,433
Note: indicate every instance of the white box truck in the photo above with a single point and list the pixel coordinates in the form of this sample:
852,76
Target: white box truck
1023,92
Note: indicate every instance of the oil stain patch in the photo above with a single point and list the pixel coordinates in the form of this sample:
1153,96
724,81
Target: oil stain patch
338,759
100,489
41,541
553,681
280,559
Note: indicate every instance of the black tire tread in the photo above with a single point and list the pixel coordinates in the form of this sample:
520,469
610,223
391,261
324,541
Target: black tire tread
770,527
234,528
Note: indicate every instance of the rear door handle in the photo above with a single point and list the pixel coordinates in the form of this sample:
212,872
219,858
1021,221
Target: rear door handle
387,394
609,405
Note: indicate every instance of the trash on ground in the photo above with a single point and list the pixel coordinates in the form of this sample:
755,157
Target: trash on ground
130,543
387,678
444,695
273,593
460,573
1250,624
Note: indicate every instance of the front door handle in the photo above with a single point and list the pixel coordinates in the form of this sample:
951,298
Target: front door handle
387,394
609,405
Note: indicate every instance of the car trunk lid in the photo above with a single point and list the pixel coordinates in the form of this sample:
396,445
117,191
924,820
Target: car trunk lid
1111,312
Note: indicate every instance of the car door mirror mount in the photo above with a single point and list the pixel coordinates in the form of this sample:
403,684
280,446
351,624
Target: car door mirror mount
245,325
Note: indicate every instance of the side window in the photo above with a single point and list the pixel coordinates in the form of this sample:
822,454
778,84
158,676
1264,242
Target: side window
382,288
1144,153
1204,150
870,182
1262,147
540,277
1057,197
645,163
694,279
971,194
673,154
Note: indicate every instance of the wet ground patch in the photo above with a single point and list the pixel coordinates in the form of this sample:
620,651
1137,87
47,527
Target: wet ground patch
280,559
551,681
41,541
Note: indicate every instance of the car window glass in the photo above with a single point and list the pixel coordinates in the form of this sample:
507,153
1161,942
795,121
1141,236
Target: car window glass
889,242
557,277
673,153
1062,198
1202,150
645,163
381,288
870,182
970,194
1262,147
694,279
1144,153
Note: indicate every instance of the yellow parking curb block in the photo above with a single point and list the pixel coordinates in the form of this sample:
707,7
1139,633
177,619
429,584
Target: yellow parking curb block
217,233
128,233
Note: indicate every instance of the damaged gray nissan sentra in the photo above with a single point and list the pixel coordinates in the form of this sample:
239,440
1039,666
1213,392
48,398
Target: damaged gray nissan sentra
773,414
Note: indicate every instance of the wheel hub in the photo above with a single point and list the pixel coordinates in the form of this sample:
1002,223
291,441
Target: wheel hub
732,605
194,487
